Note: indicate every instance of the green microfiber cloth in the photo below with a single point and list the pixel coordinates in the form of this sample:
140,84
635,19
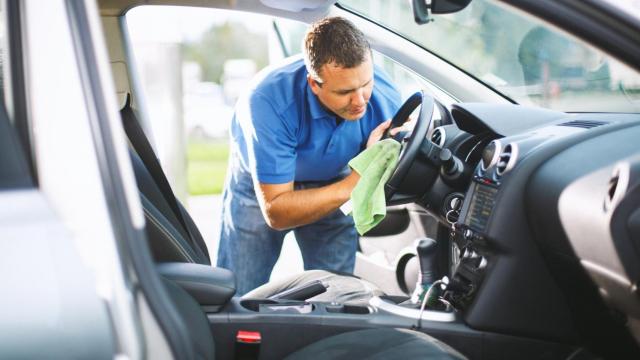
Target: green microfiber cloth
375,165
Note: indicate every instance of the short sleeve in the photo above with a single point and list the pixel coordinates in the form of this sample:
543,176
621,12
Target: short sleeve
271,140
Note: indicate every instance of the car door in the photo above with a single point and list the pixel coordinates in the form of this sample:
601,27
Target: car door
67,209
51,306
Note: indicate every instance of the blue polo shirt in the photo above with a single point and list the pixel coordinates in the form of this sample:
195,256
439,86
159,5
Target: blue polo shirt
282,132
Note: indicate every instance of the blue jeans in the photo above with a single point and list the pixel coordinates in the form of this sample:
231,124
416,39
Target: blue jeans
250,248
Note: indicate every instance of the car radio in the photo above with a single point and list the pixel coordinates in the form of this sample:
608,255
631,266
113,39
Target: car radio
480,206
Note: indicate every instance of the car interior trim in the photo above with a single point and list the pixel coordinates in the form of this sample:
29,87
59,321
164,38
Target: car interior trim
127,235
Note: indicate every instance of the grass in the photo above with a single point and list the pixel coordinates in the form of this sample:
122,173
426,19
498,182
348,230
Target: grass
206,167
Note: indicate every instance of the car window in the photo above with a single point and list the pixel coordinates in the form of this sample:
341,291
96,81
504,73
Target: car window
193,64
520,56
289,35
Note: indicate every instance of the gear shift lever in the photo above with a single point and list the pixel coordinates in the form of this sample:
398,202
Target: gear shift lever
427,256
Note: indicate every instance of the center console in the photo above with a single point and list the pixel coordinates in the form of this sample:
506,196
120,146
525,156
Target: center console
286,326
304,322
500,281
300,322
468,235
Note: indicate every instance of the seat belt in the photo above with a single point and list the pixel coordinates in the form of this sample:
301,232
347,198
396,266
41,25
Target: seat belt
142,146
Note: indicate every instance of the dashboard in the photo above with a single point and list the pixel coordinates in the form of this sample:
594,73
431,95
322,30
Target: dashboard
548,226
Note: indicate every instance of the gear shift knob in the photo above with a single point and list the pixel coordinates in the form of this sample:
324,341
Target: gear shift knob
427,255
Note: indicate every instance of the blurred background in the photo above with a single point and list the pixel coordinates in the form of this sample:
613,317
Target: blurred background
194,63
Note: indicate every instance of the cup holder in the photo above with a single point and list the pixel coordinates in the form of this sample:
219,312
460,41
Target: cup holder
348,309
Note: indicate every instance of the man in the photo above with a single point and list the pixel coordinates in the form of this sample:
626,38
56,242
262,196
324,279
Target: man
292,137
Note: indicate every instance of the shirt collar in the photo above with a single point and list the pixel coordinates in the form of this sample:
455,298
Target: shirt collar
317,110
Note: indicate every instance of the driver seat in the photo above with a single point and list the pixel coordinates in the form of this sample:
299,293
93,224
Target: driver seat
174,237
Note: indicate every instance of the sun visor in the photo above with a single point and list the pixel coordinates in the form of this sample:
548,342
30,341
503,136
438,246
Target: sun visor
298,5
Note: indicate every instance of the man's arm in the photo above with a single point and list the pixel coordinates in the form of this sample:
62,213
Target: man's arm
284,208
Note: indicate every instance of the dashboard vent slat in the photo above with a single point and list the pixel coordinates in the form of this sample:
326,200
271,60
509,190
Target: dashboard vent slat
506,159
585,124
438,137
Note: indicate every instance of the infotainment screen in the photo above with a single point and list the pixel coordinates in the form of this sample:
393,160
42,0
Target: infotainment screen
481,205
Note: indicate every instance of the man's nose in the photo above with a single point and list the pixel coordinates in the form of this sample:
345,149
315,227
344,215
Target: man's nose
358,98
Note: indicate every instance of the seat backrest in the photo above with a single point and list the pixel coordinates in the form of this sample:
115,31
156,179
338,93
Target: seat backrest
168,240
172,234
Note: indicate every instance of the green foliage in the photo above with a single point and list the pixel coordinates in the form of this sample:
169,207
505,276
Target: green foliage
230,40
207,167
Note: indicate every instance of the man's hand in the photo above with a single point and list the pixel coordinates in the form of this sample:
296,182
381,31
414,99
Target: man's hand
377,133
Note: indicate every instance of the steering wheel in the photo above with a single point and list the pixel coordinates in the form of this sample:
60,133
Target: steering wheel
417,157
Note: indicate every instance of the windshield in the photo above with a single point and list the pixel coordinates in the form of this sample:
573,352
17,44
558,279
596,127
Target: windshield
519,56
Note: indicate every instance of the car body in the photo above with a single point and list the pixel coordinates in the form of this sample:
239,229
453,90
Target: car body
542,253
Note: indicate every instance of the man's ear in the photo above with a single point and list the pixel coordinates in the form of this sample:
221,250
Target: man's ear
315,87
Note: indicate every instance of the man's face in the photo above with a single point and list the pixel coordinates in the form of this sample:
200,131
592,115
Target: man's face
343,91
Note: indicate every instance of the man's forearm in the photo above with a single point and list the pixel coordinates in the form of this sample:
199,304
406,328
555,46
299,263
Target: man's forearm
301,207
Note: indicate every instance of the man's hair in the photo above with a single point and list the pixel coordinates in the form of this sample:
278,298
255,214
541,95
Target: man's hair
334,40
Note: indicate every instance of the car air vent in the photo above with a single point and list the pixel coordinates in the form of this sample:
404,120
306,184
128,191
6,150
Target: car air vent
613,187
438,137
585,124
490,154
507,159
617,187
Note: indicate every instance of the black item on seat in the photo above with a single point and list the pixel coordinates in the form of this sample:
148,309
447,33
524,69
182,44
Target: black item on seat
303,292
144,150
